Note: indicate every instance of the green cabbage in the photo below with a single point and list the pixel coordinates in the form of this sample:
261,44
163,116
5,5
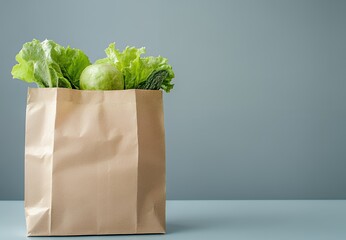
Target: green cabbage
102,76
49,64
139,72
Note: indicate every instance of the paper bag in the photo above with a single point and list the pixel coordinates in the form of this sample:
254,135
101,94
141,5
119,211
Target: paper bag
94,162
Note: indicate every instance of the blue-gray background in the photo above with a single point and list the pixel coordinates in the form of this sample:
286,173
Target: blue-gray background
259,106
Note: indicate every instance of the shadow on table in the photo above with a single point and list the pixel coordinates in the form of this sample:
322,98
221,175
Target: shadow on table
178,227
182,227
233,221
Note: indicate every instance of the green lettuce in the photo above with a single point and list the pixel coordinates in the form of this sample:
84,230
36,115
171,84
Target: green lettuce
140,72
49,64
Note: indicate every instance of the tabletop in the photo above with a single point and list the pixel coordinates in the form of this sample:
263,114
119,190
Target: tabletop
231,219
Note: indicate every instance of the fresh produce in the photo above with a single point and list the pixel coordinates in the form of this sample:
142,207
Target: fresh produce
139,72
155,80
102,76
49,64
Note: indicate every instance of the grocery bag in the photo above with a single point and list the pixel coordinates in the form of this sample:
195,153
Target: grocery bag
94,162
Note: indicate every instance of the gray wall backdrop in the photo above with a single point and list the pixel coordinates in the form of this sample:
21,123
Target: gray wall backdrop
258,110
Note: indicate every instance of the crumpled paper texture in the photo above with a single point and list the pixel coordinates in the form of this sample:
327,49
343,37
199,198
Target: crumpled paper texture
94,162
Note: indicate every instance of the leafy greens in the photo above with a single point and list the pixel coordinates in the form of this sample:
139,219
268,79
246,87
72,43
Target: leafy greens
49,64
140,72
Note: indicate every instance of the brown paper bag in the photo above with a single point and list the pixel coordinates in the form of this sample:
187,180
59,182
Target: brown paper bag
94,162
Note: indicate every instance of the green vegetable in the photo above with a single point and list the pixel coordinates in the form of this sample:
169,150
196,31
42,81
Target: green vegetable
139,72
103,76
48,64
154,81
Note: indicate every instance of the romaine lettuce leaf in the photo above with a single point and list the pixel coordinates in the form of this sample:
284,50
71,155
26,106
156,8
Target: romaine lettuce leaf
50,65
72,64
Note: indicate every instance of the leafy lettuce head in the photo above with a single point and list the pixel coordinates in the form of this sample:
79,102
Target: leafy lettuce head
49,64
140,72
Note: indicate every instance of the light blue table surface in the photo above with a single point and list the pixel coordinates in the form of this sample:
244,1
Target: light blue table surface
190,220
